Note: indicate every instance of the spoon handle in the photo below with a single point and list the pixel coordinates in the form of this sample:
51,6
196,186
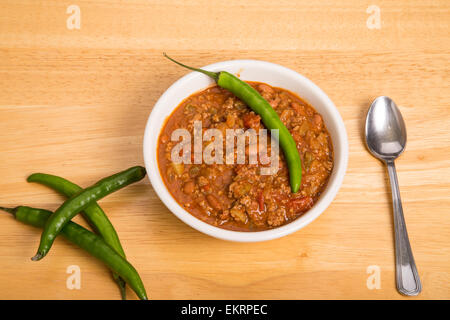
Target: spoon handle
407,277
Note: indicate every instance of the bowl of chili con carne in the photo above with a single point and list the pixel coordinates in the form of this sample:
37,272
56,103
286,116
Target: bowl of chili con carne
234,201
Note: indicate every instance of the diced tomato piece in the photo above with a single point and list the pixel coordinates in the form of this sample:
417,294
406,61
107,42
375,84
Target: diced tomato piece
301,204
251,120
260,199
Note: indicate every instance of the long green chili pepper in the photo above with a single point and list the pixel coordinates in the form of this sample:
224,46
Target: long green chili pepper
86,240
93,213
269,117
81,201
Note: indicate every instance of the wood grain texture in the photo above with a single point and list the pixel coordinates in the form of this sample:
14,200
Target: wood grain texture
75,103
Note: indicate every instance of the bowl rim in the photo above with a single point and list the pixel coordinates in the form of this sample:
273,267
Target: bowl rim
245,236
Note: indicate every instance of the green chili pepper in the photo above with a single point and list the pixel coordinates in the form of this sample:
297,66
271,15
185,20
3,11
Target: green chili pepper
93,214
81,201
269,117
86,240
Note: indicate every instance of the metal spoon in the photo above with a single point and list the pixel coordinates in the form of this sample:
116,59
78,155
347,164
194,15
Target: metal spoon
386,140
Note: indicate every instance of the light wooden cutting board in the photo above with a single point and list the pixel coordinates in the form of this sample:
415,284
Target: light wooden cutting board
74,102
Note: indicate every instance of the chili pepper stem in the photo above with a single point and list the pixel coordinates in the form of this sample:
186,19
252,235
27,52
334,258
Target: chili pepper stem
38,255
123,291
214,75
9,210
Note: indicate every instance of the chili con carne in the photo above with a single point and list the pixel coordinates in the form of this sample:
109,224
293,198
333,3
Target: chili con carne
269,117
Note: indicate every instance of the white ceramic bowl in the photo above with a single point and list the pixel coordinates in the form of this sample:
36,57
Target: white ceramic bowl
252,70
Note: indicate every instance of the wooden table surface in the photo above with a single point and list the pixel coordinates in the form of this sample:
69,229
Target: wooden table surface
74,102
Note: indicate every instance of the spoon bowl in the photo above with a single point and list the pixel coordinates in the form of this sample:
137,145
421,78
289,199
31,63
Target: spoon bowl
385,129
